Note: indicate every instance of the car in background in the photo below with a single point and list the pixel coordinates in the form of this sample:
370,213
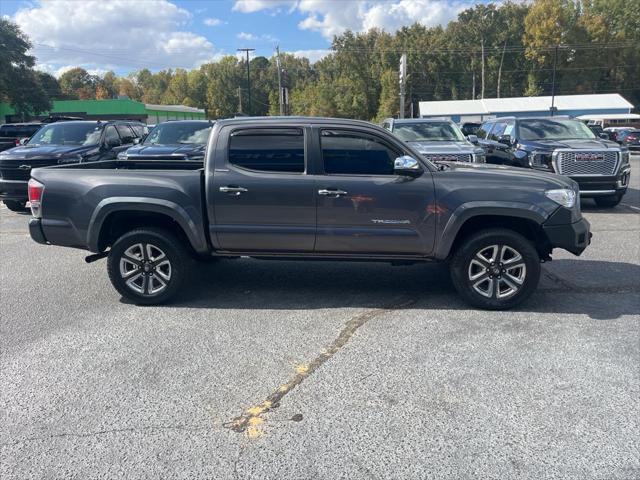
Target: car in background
436,140
11,134
469,128
613,132
599,131
630,139
172,140
562,145
61,143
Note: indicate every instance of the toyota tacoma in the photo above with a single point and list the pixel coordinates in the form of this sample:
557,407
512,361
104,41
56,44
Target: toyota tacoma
309,188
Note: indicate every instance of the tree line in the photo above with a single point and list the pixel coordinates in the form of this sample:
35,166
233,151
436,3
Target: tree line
489,51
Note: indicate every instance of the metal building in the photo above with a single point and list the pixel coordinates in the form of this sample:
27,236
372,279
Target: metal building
573,105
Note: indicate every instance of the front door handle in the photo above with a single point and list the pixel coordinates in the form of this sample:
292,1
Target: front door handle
331,193
233,190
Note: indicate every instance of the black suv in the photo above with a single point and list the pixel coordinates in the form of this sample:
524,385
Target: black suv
62,143
562,145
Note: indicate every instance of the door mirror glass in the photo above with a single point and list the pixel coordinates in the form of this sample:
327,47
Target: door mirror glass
472,138
505,139
23,141
137,141
407,165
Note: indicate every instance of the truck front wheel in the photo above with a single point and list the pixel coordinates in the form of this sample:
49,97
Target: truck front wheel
495,269
148,265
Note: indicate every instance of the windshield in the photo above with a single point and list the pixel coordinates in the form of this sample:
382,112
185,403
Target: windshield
179,133
551,129
428,132
68,134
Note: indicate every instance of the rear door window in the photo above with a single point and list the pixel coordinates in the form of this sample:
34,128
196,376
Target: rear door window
346,152
111,136
275,150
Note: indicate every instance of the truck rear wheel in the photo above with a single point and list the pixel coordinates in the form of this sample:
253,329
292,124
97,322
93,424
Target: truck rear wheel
609,201
495,269
148,265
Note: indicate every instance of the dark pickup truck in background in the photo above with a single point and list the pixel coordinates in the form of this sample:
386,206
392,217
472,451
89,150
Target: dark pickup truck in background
172,140
562,145
61,143
309,188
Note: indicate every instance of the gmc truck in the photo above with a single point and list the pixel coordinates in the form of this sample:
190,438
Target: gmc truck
309,188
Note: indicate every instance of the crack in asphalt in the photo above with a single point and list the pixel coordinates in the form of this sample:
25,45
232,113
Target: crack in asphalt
251,420
107,431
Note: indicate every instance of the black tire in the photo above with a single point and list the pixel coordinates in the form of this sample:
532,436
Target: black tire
16,206
143,260
475,276
609,201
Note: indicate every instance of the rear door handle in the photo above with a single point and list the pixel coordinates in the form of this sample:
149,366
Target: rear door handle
233,190
331,193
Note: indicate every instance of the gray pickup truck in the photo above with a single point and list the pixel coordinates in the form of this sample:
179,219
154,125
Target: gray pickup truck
309,188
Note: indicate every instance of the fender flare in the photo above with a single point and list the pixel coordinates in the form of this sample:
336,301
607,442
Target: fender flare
469,210
111,205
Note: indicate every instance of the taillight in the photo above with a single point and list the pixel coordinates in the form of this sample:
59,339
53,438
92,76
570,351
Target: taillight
35,197
17,142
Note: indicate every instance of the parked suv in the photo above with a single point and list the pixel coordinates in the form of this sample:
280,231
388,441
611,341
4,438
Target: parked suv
436,140
174,140
630,139
562,145
61,143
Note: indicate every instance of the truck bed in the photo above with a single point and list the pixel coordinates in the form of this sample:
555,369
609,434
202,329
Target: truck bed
78,199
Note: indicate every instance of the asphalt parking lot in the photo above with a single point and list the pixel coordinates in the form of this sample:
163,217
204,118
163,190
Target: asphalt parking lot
322,370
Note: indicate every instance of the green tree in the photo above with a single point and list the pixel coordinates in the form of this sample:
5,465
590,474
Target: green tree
20,84
78,83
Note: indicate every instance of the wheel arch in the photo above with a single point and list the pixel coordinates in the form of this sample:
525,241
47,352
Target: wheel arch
114,217
524,219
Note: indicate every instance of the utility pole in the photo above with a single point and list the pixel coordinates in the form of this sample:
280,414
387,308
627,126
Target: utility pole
240,100
280,92
504,47
473,88
482,87
247,50
403,81
553,81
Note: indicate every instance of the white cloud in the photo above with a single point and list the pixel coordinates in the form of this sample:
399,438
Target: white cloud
102,35
250,37
331,17
212,22
250,6
247,36
312,55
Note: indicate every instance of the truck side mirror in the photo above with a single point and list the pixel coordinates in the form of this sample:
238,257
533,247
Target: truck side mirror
604,136
23,141
472,138
505,140
407,166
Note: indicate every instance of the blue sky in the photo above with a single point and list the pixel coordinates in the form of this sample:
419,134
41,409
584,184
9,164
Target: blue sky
127,35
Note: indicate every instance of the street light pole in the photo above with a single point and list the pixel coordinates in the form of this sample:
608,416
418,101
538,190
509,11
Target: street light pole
247,50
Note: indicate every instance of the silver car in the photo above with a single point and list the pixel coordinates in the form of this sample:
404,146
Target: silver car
436,140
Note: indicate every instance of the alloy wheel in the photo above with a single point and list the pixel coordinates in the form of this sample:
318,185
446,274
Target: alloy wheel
145,269
497,271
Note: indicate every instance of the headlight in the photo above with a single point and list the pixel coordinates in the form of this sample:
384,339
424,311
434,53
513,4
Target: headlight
564,196
122,156
539,160
479,157
625,157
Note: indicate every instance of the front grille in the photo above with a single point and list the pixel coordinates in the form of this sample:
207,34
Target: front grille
586,162
448,157
15,174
